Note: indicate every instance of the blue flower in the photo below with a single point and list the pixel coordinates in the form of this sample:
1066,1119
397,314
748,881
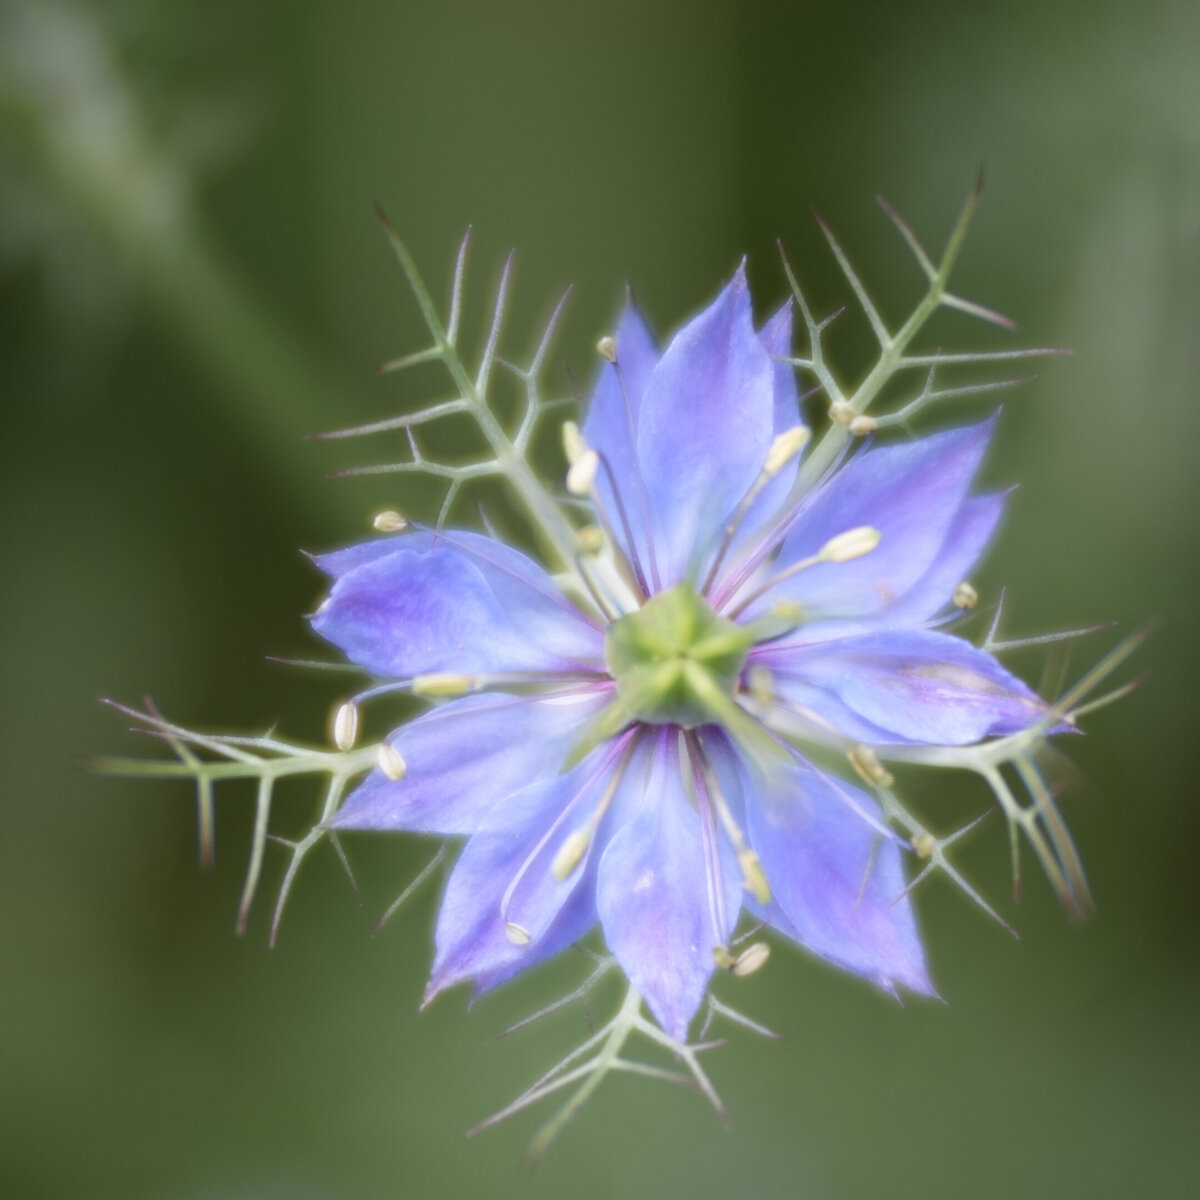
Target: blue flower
653,753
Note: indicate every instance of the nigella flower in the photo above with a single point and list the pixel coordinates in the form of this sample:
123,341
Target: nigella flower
658,753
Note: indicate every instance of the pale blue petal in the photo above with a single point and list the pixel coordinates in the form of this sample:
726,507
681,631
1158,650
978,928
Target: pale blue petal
464,759
706,423
456,602
911,493
835,879
915,685
652,892
973,529
472,942
611,428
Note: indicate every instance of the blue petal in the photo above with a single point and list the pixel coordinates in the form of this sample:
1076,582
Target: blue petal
836,882
913,685
464,759
611,427
911,493
456,602
652,892
776,338
973,529
480,899
705,426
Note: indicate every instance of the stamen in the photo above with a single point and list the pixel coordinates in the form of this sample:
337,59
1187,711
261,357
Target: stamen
581,481
606,347
841,548
846,547
389,521
517,934
752,959
862,425
841,412
624,747
783,449
345,726
965,596
391,762
866,762
444,683
754,878
582,473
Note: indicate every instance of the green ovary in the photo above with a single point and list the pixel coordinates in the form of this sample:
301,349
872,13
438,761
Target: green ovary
675,661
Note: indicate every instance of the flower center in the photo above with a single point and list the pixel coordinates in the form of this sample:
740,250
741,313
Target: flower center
675,661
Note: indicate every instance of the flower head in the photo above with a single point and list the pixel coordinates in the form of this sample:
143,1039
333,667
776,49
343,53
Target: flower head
650,749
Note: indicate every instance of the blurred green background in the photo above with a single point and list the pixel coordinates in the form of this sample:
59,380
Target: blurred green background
191,279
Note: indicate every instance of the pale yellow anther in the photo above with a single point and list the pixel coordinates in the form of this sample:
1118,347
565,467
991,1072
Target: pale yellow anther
754,878
760,683
841,413
574,447
582,473
442,683
590,539
785,447
391,762
722,958
345,725
570,854
517,934
861,425
848,546
389,521
923,844
752,959
606,347
965,596
866,762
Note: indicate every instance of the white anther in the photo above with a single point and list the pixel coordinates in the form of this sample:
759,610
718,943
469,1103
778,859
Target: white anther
389,521
574,447
852,544
866,762
752,959
570,854
391,762
517,934
841,413
582,474
861,425
345,726
785,447
606,347
442,683
923,844
965,596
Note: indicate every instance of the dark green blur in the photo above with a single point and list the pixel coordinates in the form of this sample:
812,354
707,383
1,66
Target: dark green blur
157,488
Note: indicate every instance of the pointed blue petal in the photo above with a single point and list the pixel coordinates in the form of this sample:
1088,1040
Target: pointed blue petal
652,892
914,685
504,875
706,423
969,536
611,430
911,493
465,758
456,602
835,880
